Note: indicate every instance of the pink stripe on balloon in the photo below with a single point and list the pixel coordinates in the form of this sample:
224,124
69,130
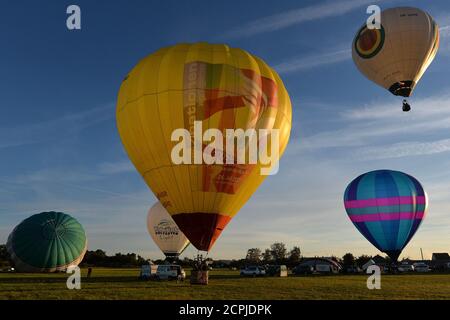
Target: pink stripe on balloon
387,216
384,202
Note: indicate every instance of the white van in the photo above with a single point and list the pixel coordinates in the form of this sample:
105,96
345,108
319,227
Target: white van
148,271
170,272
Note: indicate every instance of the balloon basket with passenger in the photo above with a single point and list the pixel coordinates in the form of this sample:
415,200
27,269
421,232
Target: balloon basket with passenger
199,273
380,54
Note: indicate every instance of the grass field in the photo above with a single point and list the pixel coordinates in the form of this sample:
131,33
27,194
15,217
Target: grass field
124,284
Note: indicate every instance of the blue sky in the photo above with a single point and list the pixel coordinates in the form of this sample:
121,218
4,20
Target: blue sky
60,149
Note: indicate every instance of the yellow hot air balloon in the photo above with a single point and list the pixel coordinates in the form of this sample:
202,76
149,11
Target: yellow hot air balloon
396,55
220,87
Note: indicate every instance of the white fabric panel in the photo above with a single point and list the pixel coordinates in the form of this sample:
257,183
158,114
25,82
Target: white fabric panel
407,50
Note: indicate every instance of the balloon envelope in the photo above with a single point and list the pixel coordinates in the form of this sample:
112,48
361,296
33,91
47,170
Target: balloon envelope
47,242
397,55
223,88
387,207
164,231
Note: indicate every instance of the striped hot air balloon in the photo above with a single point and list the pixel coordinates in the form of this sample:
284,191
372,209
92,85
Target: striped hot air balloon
387,207
47,242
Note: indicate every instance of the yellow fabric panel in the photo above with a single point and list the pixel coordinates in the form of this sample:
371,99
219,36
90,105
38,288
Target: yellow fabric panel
162,94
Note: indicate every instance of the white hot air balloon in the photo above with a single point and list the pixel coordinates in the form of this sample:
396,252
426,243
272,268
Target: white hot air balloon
164,231
396,55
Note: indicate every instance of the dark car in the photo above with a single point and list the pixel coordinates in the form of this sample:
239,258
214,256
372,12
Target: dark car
303,269
276,271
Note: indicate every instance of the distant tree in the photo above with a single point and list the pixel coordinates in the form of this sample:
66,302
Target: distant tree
100,259
348,259
4,255
186,262
95,258
335,259
362,260
278,251
295,255
267,256
253,255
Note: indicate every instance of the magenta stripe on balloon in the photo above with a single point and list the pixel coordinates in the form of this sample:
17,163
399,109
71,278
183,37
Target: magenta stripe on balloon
384,202
387,216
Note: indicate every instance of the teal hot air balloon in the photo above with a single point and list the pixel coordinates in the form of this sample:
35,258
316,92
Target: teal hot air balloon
47,242
387,207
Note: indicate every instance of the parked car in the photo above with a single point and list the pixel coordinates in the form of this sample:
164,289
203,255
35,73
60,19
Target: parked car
303,269
352,269
169,272
421,267
253,271
405,268
277,270
325,268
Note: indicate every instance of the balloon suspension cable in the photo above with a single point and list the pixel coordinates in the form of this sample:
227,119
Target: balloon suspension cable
200,261
406,106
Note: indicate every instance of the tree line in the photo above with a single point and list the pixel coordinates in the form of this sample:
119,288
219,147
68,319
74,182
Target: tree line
277,253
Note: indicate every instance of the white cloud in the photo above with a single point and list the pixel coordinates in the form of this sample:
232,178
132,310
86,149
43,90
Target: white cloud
54,128
444,31
404,149
116,167
433,106
54,175
363,125
313,61
297,16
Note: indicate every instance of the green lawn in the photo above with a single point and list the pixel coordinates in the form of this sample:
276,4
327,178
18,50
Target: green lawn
124,284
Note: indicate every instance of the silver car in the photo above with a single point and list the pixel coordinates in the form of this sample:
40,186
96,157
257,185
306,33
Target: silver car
421,267
405,268
253,271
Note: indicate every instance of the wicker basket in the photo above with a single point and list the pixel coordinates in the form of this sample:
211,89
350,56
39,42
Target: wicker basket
199,277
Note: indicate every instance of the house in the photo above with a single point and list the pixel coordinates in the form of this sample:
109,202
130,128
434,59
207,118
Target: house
378,261
322,265
440,261
440,257
222,263
368,264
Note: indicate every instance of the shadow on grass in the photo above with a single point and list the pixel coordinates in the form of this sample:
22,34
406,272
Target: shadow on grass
64,279
223,276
